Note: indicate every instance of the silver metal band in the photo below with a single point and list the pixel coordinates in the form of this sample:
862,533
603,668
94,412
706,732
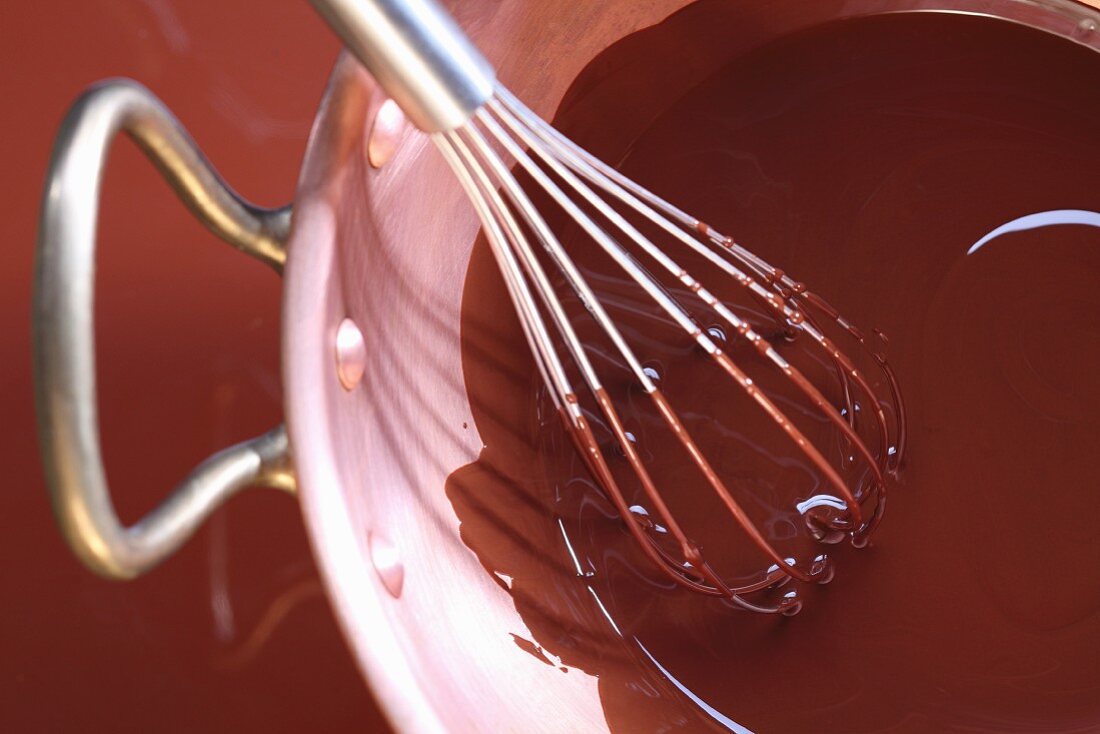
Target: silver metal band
418,54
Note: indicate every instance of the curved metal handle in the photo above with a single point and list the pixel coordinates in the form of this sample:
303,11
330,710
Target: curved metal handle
64,339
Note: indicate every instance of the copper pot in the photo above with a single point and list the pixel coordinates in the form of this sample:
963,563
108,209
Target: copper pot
374,258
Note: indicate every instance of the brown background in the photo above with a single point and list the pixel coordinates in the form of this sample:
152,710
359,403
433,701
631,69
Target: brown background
234,633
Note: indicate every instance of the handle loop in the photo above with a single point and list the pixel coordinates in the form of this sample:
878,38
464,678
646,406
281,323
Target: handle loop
64,338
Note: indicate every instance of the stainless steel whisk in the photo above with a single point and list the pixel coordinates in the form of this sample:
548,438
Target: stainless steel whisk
448,90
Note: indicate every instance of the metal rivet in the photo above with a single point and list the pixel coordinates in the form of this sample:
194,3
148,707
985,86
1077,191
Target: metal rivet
385,132
383,554
351,354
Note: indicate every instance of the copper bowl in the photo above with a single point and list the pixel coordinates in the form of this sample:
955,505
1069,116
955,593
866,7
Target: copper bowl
377,410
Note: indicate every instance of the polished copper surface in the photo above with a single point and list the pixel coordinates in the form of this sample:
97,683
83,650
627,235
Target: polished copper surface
452,653
233,633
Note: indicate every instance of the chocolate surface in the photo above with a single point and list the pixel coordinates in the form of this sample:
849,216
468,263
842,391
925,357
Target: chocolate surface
935,177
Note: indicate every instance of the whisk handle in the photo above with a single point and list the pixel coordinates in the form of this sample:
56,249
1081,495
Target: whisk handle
418,54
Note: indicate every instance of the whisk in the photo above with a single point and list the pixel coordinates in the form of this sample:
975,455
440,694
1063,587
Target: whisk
448,90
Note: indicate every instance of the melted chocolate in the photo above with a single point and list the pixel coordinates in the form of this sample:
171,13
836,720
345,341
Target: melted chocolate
935,177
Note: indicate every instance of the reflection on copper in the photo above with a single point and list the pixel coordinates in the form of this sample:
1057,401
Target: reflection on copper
351,354
385,133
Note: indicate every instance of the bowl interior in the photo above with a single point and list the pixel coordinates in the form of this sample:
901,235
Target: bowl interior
388,248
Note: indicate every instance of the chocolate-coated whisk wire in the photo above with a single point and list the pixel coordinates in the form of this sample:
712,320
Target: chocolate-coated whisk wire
508,214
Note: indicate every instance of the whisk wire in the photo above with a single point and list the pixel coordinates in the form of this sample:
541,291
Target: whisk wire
546,154
640,276
534,328
659,211
488,203
493,203
508,214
